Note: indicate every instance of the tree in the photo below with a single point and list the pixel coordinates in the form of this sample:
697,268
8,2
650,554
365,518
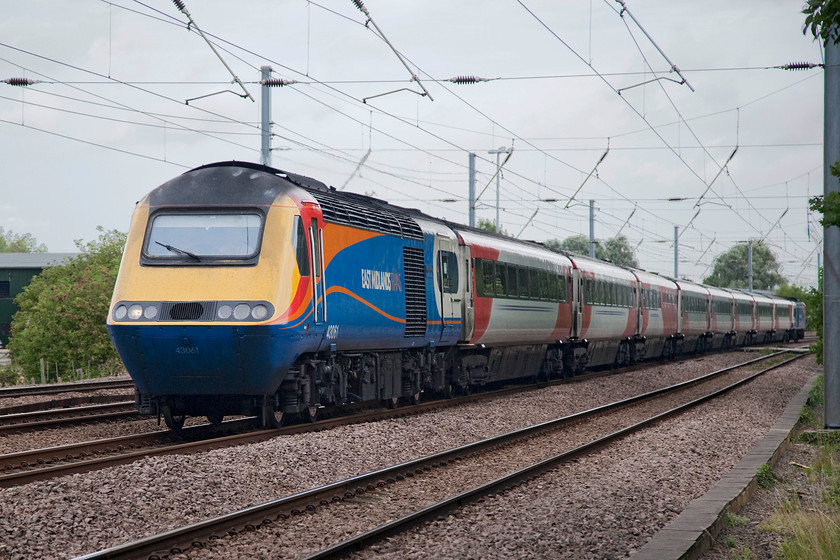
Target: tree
616,249
813,309
487,225
823,19
62,312
19,243
828,205
730,270
619,251
578,244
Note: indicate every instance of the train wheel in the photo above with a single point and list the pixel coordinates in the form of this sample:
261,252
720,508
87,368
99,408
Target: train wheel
310,413
173,421
271,418
215,419
393,402
415,398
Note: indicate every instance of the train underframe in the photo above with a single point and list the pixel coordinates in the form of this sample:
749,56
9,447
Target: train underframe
335,378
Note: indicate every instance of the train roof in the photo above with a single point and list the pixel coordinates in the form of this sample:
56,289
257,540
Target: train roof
341,207
719,292
373,214
601,268
686,286
738,295
511,247
653,278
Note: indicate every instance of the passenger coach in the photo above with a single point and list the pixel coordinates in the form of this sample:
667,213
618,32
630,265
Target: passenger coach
245,289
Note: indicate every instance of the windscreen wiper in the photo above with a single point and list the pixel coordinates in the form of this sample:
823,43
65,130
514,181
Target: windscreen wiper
178,251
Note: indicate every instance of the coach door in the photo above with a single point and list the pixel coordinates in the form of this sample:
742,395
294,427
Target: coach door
449,281
319,299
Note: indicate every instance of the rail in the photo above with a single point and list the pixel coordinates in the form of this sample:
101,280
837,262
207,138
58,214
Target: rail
182,538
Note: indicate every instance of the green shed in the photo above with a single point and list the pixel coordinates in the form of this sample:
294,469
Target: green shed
16,272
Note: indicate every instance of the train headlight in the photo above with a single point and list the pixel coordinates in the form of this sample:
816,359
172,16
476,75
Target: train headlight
259,312
241,311
135,311
192,311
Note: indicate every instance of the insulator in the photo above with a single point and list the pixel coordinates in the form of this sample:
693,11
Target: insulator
19,81
180,5
799,66
466,80
361,5
277,82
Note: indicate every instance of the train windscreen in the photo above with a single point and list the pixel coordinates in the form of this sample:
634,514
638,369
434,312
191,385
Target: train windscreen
198,235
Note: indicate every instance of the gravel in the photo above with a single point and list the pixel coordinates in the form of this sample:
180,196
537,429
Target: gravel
613,501
8,402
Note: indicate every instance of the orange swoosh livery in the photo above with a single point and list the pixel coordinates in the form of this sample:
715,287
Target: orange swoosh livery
343,290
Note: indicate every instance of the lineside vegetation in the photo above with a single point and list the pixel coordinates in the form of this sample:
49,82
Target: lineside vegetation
62,314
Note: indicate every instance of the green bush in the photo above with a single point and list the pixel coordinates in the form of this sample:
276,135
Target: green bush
10,374
62,312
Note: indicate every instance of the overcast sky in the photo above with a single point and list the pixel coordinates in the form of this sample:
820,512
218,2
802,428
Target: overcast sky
568,80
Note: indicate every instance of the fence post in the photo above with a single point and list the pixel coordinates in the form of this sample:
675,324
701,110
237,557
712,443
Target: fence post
43,375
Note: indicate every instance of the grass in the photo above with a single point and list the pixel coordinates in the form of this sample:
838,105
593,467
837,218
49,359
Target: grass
765,477
742,553
810,532
731,519
813,534
12,374
809,416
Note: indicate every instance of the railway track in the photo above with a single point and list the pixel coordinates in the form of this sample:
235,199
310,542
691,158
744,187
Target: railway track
387,498
68,402
43,464
25,421
57,388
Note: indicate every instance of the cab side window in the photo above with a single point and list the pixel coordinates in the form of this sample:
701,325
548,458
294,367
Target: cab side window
300,246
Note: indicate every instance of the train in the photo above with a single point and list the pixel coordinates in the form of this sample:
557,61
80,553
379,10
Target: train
248,290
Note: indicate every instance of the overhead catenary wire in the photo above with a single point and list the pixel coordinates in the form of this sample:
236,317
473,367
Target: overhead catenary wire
183,9
356,159
361,6
576,54
352,20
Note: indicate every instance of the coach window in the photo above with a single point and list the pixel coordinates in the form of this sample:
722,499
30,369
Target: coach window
299,244
525,282
561,288
512,285
545,284
448,272
487,277
500,279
